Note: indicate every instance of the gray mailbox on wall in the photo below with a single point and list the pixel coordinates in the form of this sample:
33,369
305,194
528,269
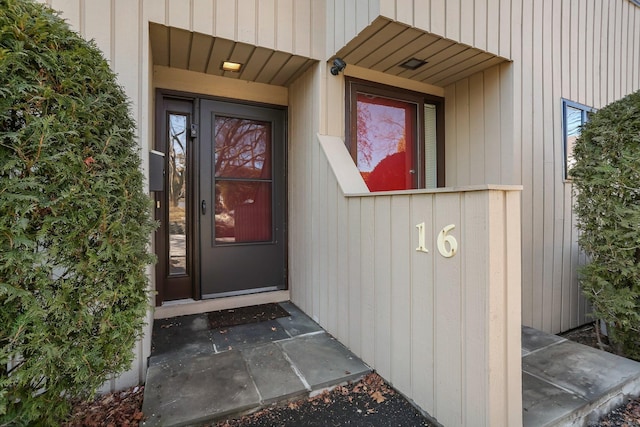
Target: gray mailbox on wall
156,171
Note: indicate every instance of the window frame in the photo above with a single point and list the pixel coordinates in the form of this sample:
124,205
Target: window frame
354,86
585,110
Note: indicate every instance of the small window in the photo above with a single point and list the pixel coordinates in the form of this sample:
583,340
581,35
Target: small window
395,136
574,116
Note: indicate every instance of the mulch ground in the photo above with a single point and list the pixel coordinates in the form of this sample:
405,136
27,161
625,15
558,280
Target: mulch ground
369,402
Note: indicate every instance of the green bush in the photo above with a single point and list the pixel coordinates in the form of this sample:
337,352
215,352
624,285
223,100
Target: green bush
74,220
606,180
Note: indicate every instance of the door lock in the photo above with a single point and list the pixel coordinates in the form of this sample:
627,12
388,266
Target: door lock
203,207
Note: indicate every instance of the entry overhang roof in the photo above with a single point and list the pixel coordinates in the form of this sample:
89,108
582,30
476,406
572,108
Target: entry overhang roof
385,44
381,46
178,48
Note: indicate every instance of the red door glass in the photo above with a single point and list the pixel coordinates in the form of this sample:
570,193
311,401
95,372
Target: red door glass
385,142
242,180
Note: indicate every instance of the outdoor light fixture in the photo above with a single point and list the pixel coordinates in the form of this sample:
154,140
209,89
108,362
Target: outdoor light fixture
413,63
338,65
231,66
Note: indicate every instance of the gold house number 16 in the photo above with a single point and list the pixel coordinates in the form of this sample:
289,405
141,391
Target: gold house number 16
447,244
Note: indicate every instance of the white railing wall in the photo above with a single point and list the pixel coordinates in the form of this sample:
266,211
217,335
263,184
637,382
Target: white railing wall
443,329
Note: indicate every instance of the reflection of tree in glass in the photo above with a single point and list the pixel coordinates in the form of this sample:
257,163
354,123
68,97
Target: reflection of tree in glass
242,151
177,160
380,133
241,148
573,128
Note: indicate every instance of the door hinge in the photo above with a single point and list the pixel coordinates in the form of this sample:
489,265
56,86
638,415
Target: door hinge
194,130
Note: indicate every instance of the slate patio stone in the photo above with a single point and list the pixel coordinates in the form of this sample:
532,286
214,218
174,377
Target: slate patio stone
241,336
543,403
322,360
588,372
192,392
272,373
194,344
180,337
533,339
297,323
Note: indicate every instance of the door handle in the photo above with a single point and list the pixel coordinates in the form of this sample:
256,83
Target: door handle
203,207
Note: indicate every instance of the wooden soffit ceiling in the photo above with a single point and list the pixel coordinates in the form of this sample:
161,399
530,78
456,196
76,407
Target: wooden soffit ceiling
174,47
385,44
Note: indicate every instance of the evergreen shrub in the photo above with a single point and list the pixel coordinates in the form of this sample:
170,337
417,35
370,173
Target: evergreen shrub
74,219
606,178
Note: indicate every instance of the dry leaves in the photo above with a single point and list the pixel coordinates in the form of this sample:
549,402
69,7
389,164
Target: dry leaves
378,397
624,416
119,409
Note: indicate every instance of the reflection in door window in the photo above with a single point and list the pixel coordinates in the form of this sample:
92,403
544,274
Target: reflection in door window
385,143
243,184
395,136
177,171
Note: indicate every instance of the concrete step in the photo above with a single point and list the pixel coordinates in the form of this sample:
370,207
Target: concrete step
569,384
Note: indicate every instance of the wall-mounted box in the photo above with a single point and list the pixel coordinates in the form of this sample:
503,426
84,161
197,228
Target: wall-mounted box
156,171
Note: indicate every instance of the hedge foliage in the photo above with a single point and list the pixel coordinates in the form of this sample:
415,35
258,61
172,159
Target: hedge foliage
74,219
606,180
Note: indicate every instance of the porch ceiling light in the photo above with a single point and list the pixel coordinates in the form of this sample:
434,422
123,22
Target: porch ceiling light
413,63
231,66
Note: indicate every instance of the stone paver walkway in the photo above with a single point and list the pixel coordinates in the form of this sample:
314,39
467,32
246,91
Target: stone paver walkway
198,375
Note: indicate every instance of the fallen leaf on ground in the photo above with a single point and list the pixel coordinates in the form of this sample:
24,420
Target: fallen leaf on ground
378,397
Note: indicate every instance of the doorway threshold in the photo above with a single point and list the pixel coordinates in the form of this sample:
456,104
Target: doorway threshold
189,306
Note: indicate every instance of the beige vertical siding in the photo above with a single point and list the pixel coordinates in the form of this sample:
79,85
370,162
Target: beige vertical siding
484,24
434,327
345,19
504,125
479,128
587,52
412,316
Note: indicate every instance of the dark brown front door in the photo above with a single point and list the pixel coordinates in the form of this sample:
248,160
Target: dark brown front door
242,198
222,211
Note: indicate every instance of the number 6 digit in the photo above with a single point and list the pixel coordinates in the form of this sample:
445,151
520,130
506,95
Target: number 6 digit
443,238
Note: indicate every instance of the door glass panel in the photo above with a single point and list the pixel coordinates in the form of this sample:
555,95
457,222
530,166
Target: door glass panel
243,148
385,141
243,207
177,171
243,211
430,147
